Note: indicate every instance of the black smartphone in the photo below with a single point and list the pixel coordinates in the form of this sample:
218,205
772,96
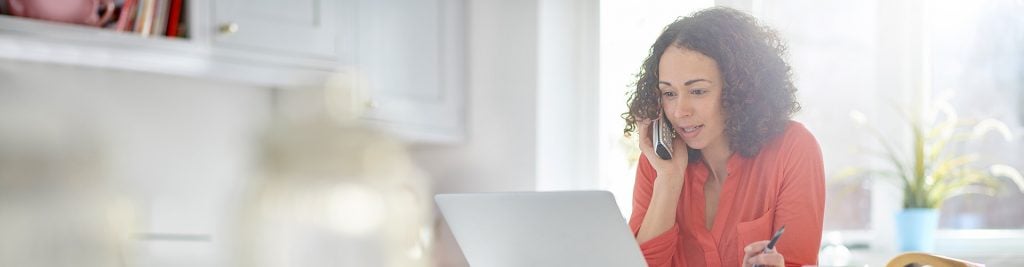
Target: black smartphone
662,135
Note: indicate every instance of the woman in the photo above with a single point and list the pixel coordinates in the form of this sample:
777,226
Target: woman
741,169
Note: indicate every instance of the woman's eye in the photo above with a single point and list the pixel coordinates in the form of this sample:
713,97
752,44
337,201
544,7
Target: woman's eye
698,91
668,93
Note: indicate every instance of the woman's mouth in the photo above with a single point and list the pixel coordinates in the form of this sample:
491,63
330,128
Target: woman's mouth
690,131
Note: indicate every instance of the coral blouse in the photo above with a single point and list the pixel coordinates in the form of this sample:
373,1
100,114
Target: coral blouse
784,184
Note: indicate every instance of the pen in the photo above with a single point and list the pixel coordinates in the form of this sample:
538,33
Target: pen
771,244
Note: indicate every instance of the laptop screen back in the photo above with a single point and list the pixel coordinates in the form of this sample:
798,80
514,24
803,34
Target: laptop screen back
572,228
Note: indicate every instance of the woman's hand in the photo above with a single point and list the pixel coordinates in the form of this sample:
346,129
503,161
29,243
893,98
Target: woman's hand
674,167
753,256
668,185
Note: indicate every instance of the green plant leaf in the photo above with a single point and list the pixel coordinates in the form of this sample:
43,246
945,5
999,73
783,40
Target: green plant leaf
919,168
934,172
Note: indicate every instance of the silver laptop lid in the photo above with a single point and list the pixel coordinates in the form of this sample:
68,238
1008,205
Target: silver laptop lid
571,228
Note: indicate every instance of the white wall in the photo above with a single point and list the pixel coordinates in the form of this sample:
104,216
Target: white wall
567,95
501,98
498,154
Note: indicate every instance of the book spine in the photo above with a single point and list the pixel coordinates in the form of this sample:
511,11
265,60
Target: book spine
175,18
140,7
160,17
125,18
147,18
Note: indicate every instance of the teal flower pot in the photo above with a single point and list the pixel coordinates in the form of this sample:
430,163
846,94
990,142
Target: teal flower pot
915,229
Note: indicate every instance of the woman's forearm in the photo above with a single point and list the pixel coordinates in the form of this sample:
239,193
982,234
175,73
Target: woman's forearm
661,212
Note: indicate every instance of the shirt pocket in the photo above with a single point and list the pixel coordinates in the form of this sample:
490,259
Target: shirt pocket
754,230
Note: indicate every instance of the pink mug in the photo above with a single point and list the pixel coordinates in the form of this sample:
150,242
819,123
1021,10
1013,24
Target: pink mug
70,11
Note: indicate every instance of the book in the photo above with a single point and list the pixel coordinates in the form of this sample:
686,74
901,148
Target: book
160,17
124,20
137,19
146,27
174,18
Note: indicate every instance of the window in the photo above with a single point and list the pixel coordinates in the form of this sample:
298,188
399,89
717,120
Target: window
977,53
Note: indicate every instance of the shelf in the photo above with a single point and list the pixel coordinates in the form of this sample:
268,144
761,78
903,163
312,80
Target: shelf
68,44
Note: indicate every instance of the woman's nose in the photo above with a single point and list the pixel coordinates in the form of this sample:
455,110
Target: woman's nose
681,109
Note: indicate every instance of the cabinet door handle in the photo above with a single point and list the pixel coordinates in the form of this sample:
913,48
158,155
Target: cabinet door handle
372,104
229,28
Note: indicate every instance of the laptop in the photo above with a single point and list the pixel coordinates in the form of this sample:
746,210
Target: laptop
569,228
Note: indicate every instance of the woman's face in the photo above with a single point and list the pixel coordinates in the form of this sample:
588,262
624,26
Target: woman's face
691,97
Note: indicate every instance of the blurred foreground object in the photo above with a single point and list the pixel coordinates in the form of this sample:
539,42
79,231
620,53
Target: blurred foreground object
334,193
925,259
834,253
57,207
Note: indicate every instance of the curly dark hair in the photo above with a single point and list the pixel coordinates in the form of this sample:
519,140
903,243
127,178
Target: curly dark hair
758,95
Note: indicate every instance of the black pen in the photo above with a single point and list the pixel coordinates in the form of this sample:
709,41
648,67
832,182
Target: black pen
771,244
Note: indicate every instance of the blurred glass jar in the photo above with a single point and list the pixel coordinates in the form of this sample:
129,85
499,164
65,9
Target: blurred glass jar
57,205
333,194
834,253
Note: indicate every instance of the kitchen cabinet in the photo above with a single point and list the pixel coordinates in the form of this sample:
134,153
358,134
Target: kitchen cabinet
304,28
411,54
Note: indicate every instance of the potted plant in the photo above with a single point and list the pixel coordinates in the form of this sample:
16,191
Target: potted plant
935,167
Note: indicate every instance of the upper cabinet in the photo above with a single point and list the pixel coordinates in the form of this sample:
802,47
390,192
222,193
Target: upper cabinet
305,28
411,53
407,55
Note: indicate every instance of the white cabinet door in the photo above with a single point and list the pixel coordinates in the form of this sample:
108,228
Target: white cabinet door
293,27
411,55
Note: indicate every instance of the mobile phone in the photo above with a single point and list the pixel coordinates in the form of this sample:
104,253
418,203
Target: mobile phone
662,135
